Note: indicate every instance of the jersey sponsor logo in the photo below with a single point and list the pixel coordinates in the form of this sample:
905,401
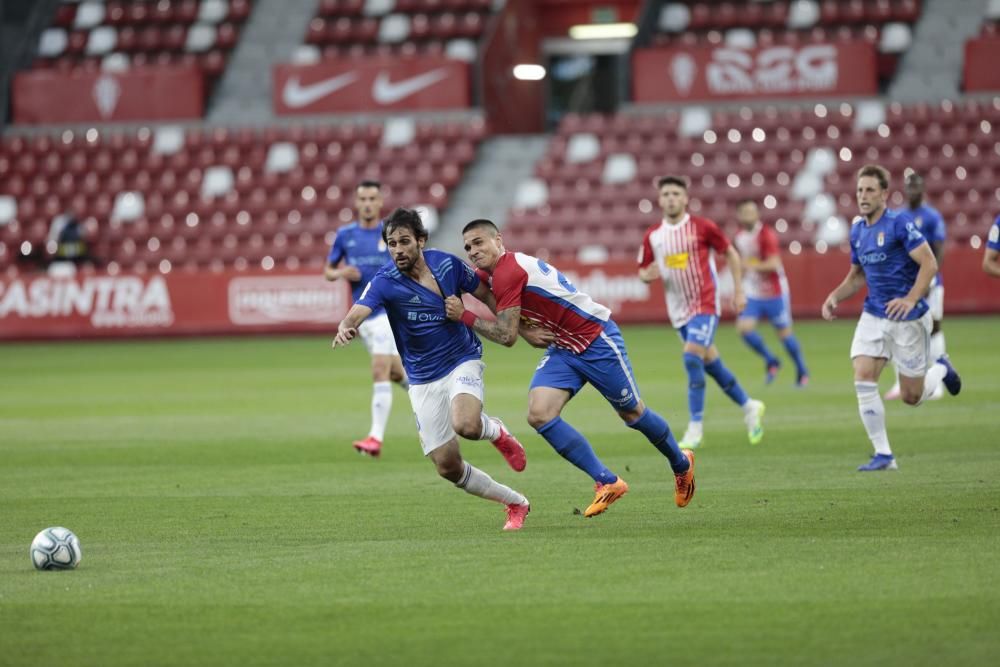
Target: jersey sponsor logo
677,261
282,299
385,91
414,316
295,95
109,302
872,258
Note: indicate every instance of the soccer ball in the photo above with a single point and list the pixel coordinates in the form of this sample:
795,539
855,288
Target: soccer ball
55,548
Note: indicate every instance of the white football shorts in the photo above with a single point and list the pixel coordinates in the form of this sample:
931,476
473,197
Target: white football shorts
432,402
935,299
907,343
377,335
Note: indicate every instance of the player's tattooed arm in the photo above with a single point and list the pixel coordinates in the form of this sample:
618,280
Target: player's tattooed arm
504,330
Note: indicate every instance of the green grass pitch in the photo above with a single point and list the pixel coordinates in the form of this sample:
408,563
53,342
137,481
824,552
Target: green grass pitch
225,519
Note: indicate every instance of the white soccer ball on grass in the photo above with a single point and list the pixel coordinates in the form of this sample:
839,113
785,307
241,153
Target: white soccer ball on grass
55,548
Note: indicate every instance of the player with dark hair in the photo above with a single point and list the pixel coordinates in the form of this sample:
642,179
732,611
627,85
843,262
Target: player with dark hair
767,292
892,258
678,251
357,253
442,358
583,345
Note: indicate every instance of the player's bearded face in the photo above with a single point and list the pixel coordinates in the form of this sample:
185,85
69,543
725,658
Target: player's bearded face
404,248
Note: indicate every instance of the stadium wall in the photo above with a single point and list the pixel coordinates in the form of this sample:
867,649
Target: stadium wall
189,303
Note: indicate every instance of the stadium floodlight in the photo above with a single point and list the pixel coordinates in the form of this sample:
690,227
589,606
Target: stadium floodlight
529,72
603,31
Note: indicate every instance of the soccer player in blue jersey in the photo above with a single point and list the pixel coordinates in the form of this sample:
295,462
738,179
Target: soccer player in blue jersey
931,224
357,253
442,358
991,258
891,257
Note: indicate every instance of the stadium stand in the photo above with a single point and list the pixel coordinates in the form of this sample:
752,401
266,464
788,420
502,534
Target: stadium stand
355,28
885,23
219,197
118,34
799,161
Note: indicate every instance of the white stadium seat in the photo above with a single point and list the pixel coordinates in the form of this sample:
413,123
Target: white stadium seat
212,11
674,17
281,157
694,122
200,37
169,139
378,7
398,132
394,28
531,193
88,15
216,182
461,49
8,209
894,38
619,168
52,42
128,206
583,147
803,14
101,40
115,62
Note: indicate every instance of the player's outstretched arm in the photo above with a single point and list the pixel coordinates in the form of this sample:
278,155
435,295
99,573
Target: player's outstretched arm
853,282
991,262
348,328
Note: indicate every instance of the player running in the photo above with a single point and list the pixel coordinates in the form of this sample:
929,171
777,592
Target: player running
991,257
767,292
931,224
357,253
442,358
890,256
678,252
583,345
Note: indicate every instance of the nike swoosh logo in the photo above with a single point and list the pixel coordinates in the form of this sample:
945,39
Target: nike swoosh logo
385,91
296,95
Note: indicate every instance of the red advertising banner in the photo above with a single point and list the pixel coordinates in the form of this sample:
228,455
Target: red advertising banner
719,72
980,71
145,93
176,303
373,84
182,303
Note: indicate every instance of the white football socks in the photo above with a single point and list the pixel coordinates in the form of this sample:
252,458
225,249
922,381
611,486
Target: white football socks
937,346
478,483
491,428
872,413
932,380
381,406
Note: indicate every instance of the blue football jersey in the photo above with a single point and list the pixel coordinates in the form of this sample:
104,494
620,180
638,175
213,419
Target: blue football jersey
931,224
360,247
993,240
883,252
430,344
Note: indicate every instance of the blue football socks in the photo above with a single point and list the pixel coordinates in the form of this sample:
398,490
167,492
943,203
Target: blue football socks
695,367
756,343
727,381
657,431
572,446
795,352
